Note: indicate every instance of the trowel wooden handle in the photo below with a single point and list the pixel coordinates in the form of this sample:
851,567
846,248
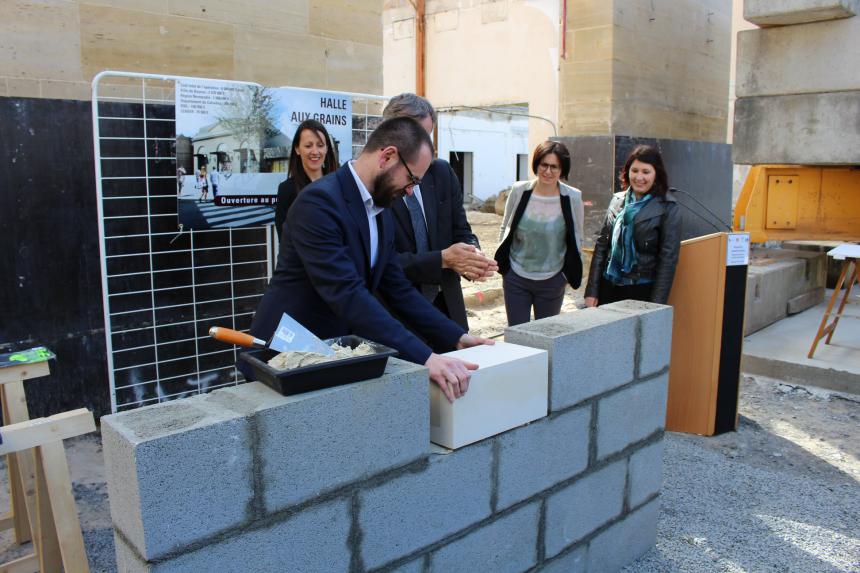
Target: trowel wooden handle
231,336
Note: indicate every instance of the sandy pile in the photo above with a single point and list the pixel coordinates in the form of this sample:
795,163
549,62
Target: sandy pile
299,358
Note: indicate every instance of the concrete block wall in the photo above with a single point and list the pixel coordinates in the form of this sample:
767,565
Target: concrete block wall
797,83
345,479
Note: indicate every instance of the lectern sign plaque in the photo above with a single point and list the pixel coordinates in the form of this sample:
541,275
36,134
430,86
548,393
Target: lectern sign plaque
738,250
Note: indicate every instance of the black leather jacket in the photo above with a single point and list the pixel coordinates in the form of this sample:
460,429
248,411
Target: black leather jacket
657,233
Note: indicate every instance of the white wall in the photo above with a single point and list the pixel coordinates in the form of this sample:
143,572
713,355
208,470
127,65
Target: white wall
494,141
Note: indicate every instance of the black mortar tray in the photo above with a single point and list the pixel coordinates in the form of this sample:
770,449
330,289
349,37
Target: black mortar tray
324,374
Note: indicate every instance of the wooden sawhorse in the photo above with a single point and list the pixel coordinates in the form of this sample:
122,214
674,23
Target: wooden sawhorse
54,526
848,254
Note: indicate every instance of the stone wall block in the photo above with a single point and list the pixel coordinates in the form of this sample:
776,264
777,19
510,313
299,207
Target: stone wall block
655,333
624,541
508,544
631,415
418,509
314,540
169,464
314,442
646,473
580,344
538,456
579,509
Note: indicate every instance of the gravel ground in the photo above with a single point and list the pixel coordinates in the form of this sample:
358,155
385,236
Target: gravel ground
773,496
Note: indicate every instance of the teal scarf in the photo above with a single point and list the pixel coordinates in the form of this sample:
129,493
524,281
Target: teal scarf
624,258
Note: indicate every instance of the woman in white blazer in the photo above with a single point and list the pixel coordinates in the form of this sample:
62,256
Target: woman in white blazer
541,238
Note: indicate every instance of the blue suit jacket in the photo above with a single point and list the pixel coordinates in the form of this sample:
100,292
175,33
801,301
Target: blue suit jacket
323,277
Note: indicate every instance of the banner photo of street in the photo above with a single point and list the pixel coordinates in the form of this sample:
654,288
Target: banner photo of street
233,144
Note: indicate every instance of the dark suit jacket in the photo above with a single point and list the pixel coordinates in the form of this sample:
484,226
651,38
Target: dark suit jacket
442,197
323,277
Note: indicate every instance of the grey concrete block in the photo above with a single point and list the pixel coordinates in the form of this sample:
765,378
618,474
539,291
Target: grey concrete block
575,561
314,540
645,473
767,293
785,12
624,541
540,455
418,509
631,415
314,442
414,566
655,339
582,507
820,57
168,465
577,343
804,301
508,544
809,129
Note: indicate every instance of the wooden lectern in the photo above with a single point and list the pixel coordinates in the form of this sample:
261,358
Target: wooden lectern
707,334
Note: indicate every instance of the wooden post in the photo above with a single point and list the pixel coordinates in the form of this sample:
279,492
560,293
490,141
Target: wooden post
420,46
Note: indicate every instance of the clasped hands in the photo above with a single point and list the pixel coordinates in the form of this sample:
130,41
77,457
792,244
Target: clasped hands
452,374
468,261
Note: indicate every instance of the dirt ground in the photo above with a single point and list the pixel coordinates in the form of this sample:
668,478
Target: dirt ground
485,306
787,434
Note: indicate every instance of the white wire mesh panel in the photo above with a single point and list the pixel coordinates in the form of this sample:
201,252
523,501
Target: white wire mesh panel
163,289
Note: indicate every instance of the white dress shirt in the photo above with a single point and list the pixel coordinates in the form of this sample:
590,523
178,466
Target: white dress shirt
372,211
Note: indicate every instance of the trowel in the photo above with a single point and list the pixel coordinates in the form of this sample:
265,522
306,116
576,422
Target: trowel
289,336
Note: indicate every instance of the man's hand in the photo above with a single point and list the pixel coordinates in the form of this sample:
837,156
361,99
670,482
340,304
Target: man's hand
450,374
470,340
590,301
466,260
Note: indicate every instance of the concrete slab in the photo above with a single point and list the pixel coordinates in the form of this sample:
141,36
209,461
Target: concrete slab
786,12
779,351
807,129
813,58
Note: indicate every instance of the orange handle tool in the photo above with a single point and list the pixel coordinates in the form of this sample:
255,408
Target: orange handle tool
231,336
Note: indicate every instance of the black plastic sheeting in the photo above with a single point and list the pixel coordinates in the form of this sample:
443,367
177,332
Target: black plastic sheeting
51,287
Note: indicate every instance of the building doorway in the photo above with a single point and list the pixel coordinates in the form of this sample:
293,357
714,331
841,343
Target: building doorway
461,162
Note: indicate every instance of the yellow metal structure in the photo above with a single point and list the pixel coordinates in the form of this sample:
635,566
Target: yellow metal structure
799,202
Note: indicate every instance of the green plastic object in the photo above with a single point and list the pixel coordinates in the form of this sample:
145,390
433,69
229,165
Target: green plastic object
29,356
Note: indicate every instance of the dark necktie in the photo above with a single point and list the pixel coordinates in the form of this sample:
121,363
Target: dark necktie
419,228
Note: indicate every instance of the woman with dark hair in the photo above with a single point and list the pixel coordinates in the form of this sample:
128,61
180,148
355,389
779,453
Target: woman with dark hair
541,238
311,157
637,250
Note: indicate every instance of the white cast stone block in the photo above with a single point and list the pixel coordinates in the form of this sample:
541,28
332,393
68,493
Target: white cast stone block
509,389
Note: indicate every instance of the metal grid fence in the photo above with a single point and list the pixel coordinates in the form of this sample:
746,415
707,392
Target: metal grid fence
163,288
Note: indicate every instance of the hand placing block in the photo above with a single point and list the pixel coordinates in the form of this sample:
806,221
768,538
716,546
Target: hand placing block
508,390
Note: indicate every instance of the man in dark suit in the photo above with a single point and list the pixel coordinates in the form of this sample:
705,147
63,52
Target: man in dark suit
337,251
433,238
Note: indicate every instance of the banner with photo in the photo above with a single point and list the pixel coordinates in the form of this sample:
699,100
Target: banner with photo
233,144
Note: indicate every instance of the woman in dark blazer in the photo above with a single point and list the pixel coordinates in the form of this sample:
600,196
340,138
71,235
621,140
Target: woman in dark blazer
637,250
311,157
541,238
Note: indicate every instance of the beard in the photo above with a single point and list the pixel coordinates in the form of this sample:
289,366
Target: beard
384,191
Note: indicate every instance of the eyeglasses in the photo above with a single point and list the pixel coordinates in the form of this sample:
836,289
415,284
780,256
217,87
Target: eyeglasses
414,181
549,167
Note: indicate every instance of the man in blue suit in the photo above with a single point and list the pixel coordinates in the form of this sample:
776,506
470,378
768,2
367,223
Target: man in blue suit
337,251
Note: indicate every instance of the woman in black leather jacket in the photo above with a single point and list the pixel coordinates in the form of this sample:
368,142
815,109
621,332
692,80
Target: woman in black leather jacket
637,250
